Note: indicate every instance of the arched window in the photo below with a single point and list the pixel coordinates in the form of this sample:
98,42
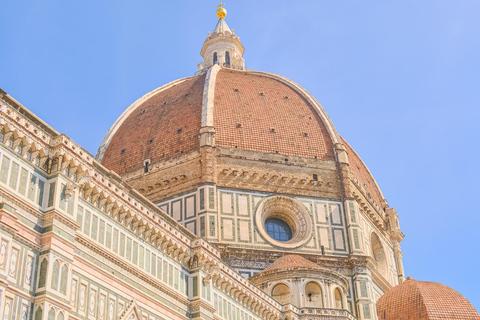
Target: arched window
55,275
60,316
215,58
227,59
10,142
338,299
278,229
63,280
20,148
281,293
2,135
313,295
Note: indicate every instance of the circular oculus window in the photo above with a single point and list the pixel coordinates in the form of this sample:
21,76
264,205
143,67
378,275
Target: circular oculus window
283,222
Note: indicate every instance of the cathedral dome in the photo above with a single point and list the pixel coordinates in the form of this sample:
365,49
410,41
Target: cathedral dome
421,300
226,111
248,110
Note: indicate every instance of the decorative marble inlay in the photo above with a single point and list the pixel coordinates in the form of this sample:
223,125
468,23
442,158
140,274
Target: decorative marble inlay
111,310
91,303
29,270
3,253
101,307
73,292
12,271
83,290
7,308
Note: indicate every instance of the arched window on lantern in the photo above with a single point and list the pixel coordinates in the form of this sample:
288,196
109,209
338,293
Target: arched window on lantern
215,58
227,59
10,142
20,148
67,171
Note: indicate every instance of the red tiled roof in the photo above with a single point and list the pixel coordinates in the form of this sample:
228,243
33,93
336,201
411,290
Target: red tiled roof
420,300
251,111
291,261
256,112
163,126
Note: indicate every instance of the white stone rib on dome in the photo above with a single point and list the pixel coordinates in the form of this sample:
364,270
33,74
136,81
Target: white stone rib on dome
208,106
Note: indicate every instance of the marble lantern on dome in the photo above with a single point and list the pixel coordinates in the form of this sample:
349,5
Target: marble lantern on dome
222,46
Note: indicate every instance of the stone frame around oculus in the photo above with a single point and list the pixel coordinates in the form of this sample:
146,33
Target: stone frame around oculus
290,210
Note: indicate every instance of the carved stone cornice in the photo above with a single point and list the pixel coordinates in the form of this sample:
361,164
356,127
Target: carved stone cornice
120,265
198,305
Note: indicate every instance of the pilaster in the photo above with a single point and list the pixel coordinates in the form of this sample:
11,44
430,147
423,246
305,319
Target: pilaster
365,302
57,252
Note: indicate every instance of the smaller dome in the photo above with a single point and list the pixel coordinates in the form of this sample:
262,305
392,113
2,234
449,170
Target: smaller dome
421,300
291,261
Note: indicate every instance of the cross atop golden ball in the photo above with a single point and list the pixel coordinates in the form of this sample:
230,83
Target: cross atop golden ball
221,12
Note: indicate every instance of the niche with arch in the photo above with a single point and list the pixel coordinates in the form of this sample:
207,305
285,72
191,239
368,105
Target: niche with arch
55,275
313,295
51,314
281,293
378,254
338,299
38,314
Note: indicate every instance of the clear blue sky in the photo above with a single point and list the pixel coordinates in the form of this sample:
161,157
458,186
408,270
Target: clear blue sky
400,80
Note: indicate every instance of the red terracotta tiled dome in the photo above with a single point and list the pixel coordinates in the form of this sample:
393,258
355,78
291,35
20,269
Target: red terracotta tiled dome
249,110
162,124
420,300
